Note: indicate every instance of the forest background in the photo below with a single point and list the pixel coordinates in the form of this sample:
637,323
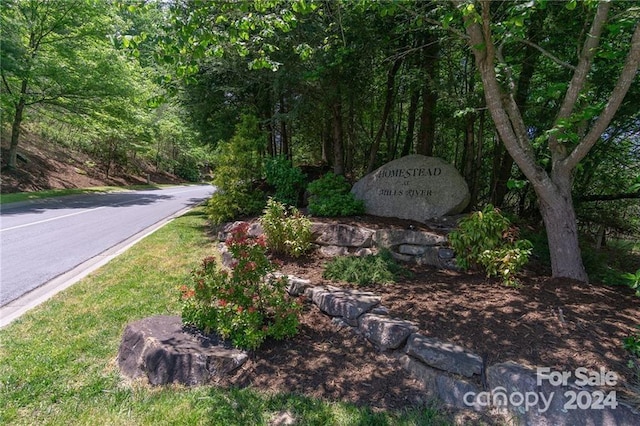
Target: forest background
192,87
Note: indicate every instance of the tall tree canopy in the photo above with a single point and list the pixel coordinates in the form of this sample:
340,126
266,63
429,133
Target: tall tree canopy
56,53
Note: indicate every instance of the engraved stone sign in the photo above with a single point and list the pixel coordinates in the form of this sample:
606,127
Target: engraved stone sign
414,187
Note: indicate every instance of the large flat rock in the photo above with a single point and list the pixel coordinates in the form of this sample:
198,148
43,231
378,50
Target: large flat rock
414,187
160,349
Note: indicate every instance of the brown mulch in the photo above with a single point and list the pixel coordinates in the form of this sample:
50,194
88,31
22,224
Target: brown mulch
555,323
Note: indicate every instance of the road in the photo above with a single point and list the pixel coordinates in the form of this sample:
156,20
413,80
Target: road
42,240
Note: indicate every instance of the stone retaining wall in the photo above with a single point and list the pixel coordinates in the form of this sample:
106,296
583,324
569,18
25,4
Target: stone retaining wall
406,245
458,377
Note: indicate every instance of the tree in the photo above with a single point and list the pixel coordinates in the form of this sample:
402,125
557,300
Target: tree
566,144
56,53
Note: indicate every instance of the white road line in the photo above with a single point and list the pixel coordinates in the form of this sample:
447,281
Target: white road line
52,219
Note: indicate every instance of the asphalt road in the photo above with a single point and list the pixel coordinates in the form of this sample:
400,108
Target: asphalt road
46,239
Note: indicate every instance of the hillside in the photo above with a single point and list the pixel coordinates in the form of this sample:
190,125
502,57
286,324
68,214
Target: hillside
46,165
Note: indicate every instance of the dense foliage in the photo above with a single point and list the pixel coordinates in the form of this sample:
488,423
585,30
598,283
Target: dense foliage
238,166
330,196
287,180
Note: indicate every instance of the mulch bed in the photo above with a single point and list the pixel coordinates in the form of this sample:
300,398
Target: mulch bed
555,323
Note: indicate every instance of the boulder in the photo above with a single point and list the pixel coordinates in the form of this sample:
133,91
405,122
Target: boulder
333,251
414,187
395,237
161,350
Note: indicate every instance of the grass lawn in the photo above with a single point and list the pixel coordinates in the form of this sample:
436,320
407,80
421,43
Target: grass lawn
57,362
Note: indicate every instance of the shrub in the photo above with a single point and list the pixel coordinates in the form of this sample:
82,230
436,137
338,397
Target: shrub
247,304
486,238
228,204
286,179
286,229
633,281
632,343
372,269
238,166
330,196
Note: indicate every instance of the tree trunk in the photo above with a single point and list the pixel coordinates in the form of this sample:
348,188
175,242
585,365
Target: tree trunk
427,130
411,123
388,104
502,173
284,131
338,135
558,214
15,127
469,147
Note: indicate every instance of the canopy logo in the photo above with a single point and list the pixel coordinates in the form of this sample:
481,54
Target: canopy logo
586,399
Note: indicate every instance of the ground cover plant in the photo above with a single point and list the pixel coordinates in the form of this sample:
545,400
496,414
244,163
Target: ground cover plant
378,268
57,362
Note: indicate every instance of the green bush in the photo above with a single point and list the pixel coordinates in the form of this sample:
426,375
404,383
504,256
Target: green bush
247,304
633,281
366,270
238,166
287,180
330,196
487,239
233,202
632,343
286,229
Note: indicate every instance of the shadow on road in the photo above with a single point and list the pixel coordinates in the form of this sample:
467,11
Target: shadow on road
83,201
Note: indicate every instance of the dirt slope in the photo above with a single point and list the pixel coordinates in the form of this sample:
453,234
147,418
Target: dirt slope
43,165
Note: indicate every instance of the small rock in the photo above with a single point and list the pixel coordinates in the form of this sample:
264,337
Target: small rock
446,253
297,286
364,252
411,249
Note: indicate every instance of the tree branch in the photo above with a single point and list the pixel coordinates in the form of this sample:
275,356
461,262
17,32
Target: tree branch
611,197
625,79
579,76
508,121
548,54
6,84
